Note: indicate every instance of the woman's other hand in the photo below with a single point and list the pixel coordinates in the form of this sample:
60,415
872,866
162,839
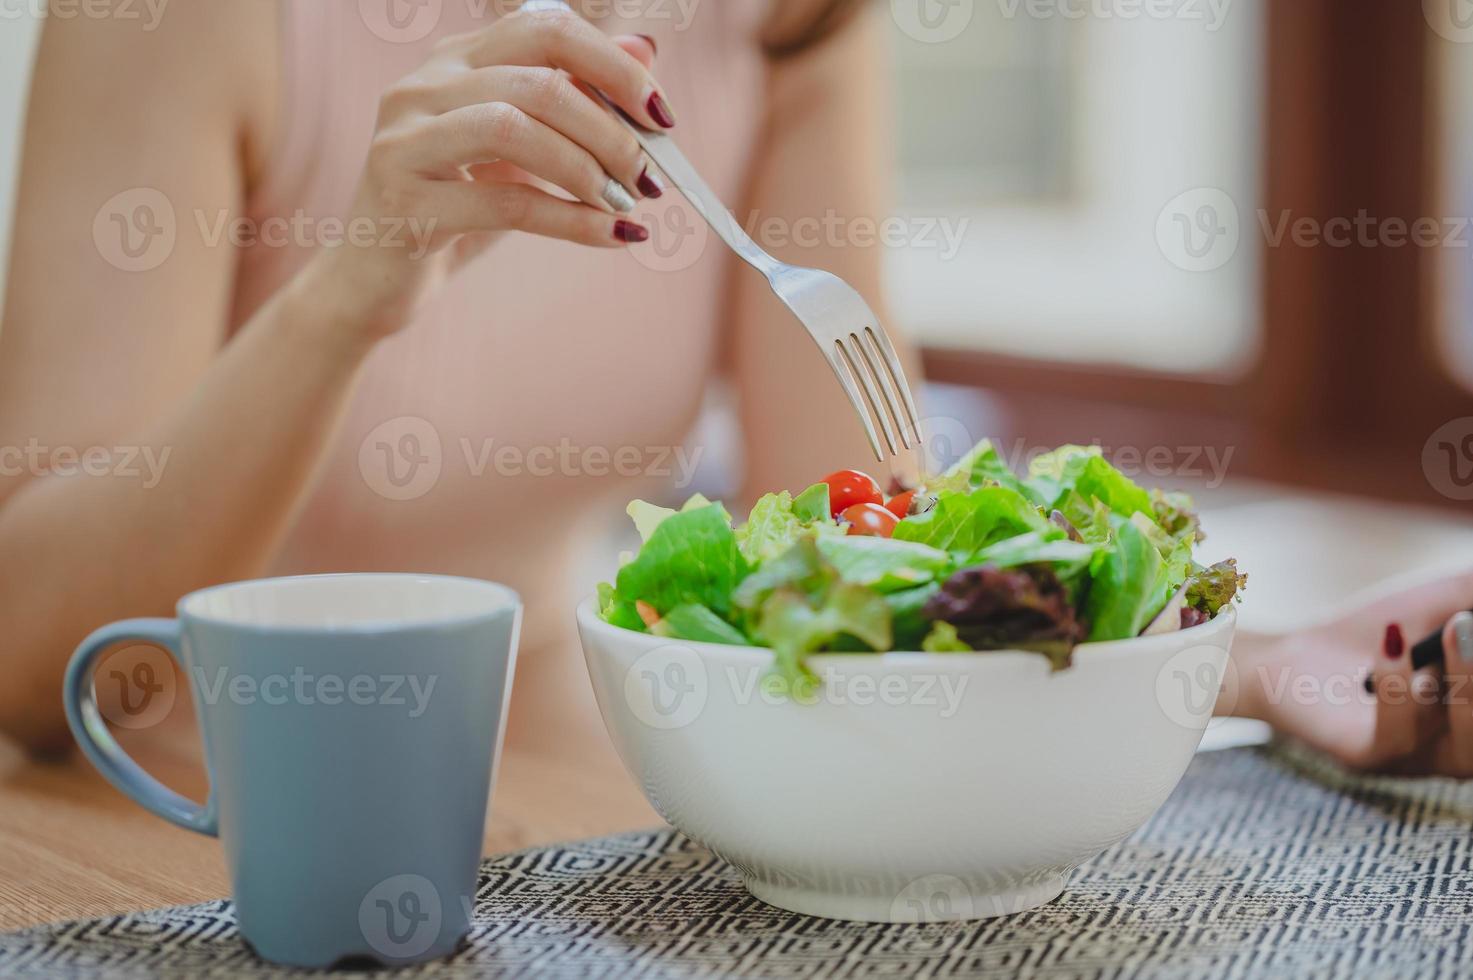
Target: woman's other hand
1311,684
460,142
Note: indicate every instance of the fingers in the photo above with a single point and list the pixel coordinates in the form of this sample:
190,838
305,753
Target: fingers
472,208
445,145
498,104
1426,695
1457,645
551,97
560,39
1396,710
641,46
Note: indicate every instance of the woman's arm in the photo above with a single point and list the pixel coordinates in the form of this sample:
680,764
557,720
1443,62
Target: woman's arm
95,356
826,151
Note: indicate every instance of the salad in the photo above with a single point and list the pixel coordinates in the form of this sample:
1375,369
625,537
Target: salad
975,559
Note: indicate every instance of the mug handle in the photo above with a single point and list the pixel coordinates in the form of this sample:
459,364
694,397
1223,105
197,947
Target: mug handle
97,742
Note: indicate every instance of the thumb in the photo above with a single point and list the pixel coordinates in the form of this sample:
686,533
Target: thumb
642,46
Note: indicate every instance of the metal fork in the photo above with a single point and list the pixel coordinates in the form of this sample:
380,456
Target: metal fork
837,318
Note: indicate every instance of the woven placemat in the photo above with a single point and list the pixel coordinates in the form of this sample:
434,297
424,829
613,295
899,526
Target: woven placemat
1264,863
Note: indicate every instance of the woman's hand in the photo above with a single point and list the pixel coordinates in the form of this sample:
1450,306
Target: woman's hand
1311,684
460,141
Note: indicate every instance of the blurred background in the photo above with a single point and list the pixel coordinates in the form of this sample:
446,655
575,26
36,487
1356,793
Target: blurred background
1234,231
1227,240
1196,226
18,32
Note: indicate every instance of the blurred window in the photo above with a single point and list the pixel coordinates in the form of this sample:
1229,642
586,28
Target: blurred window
1108,174
18,33
1455,267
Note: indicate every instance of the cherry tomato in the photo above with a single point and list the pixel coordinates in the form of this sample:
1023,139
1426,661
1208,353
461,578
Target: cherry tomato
848,488
870,519
899,505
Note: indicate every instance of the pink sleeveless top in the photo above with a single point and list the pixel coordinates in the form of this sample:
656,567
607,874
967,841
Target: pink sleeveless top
518,415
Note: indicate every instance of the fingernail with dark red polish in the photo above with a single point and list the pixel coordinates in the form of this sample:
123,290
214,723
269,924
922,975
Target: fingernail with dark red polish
649,186
628,231
1395,644
653,46
660,112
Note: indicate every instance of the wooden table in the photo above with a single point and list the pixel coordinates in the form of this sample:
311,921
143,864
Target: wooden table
72,847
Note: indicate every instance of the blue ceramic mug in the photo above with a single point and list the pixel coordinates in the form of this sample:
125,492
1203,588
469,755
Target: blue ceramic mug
351,725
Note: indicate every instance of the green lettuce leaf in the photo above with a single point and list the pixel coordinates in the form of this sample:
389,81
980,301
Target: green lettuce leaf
1176,514
813,504
983,466
692,621
690,557
1176,553
1099,480
1209,589
1131,580
776,523
908,622
883,564
965,523
648,516
1091,518
1053,465
795,624
801,567
797,603
943,639
1082,470
771,528
616,611
1048,547
1046,481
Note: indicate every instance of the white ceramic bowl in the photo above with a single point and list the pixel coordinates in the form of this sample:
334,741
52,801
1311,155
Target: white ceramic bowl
917,786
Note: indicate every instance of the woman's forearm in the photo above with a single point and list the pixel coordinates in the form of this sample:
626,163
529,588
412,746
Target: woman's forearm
235,458
1242,690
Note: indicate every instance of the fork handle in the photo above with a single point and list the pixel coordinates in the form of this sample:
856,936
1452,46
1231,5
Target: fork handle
667,156
683,175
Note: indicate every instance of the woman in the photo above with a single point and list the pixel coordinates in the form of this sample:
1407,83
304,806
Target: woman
294,387
298,389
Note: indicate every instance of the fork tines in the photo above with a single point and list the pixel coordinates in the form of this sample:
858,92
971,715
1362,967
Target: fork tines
870,372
